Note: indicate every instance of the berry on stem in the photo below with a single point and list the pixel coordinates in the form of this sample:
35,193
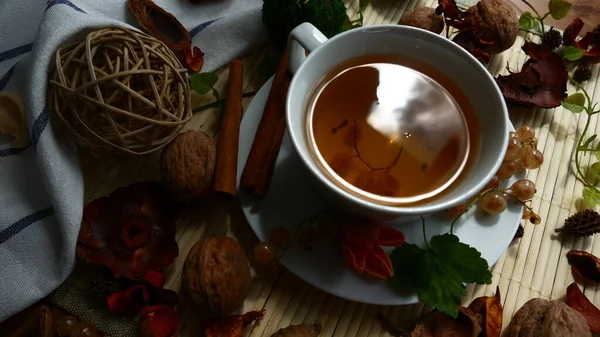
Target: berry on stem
525,133
507,169
493,202
264,252
532,158
513,149
523,189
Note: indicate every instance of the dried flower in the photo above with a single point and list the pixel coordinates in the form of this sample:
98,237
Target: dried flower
584,223
490,309
158,321
131,231
232,326
519,233
582,74
584,265
552,38
586,43
578,301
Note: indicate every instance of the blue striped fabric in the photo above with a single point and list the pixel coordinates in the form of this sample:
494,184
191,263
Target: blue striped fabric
17,51
25,222
6,77
194,31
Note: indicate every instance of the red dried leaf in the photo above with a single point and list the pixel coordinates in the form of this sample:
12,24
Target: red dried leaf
131,299
584,265
588,42
471,43
131,231
378,263
194,60
160,24
490,309
158,321
390,237
453,16
542,81
155,278
232,326
354,256
578,301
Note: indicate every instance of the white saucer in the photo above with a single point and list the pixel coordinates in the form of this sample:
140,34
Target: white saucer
293,197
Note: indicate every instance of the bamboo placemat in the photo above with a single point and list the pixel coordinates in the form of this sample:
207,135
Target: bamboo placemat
534,266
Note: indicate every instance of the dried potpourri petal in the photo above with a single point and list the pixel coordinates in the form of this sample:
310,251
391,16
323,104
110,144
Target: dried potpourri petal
584,265
165,27
467,324
355,256
158,321
378,263
578,301
131,231
542,81
583,223
588,43
490,309
232,326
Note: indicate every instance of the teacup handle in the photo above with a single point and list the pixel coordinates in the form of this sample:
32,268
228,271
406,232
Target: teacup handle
305,37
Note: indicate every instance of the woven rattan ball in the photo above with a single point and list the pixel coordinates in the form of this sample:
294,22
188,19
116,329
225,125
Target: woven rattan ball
119,91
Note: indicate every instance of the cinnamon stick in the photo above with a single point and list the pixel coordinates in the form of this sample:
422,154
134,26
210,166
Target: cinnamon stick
269,135
229,135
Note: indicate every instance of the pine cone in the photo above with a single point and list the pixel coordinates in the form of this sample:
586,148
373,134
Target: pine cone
552,38
519,233
583,223
582,74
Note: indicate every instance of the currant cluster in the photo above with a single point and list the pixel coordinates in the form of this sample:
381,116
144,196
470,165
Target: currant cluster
521,151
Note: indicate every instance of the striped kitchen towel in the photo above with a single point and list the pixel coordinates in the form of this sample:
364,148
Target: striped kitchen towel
41,186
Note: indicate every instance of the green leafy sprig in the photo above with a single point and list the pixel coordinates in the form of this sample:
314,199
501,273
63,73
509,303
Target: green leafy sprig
577,103
439,271
534,22
203,83
358,22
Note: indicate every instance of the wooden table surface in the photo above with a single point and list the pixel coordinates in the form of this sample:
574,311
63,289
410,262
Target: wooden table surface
289,300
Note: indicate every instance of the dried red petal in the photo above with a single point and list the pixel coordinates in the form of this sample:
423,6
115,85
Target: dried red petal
194,60
542,81
453,16
378,263
578,301
232,326
131,299
131,231
584,265
155,278
473,45
355,256
361,232
390,237
570,38
158,321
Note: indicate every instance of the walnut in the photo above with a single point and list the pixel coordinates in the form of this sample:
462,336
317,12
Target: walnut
216,273
425,18
541,317
188,164
497,22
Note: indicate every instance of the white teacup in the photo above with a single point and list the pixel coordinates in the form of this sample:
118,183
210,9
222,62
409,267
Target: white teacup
450,59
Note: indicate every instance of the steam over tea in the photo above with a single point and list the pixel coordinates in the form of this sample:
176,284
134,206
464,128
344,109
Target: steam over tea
392,127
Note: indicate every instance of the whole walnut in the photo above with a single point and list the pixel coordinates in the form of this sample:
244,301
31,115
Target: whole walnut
541,317
425,18
495,21
216,273
188,164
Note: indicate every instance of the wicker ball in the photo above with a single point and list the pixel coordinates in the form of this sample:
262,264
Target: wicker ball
119,91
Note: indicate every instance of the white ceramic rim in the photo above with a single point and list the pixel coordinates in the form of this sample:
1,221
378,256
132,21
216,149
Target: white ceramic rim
426,208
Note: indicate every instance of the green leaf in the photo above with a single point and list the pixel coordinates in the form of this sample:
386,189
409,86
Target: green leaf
438,275
572,53
559,8
527,21
595,169
202,83
598,154
574,103
591,196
